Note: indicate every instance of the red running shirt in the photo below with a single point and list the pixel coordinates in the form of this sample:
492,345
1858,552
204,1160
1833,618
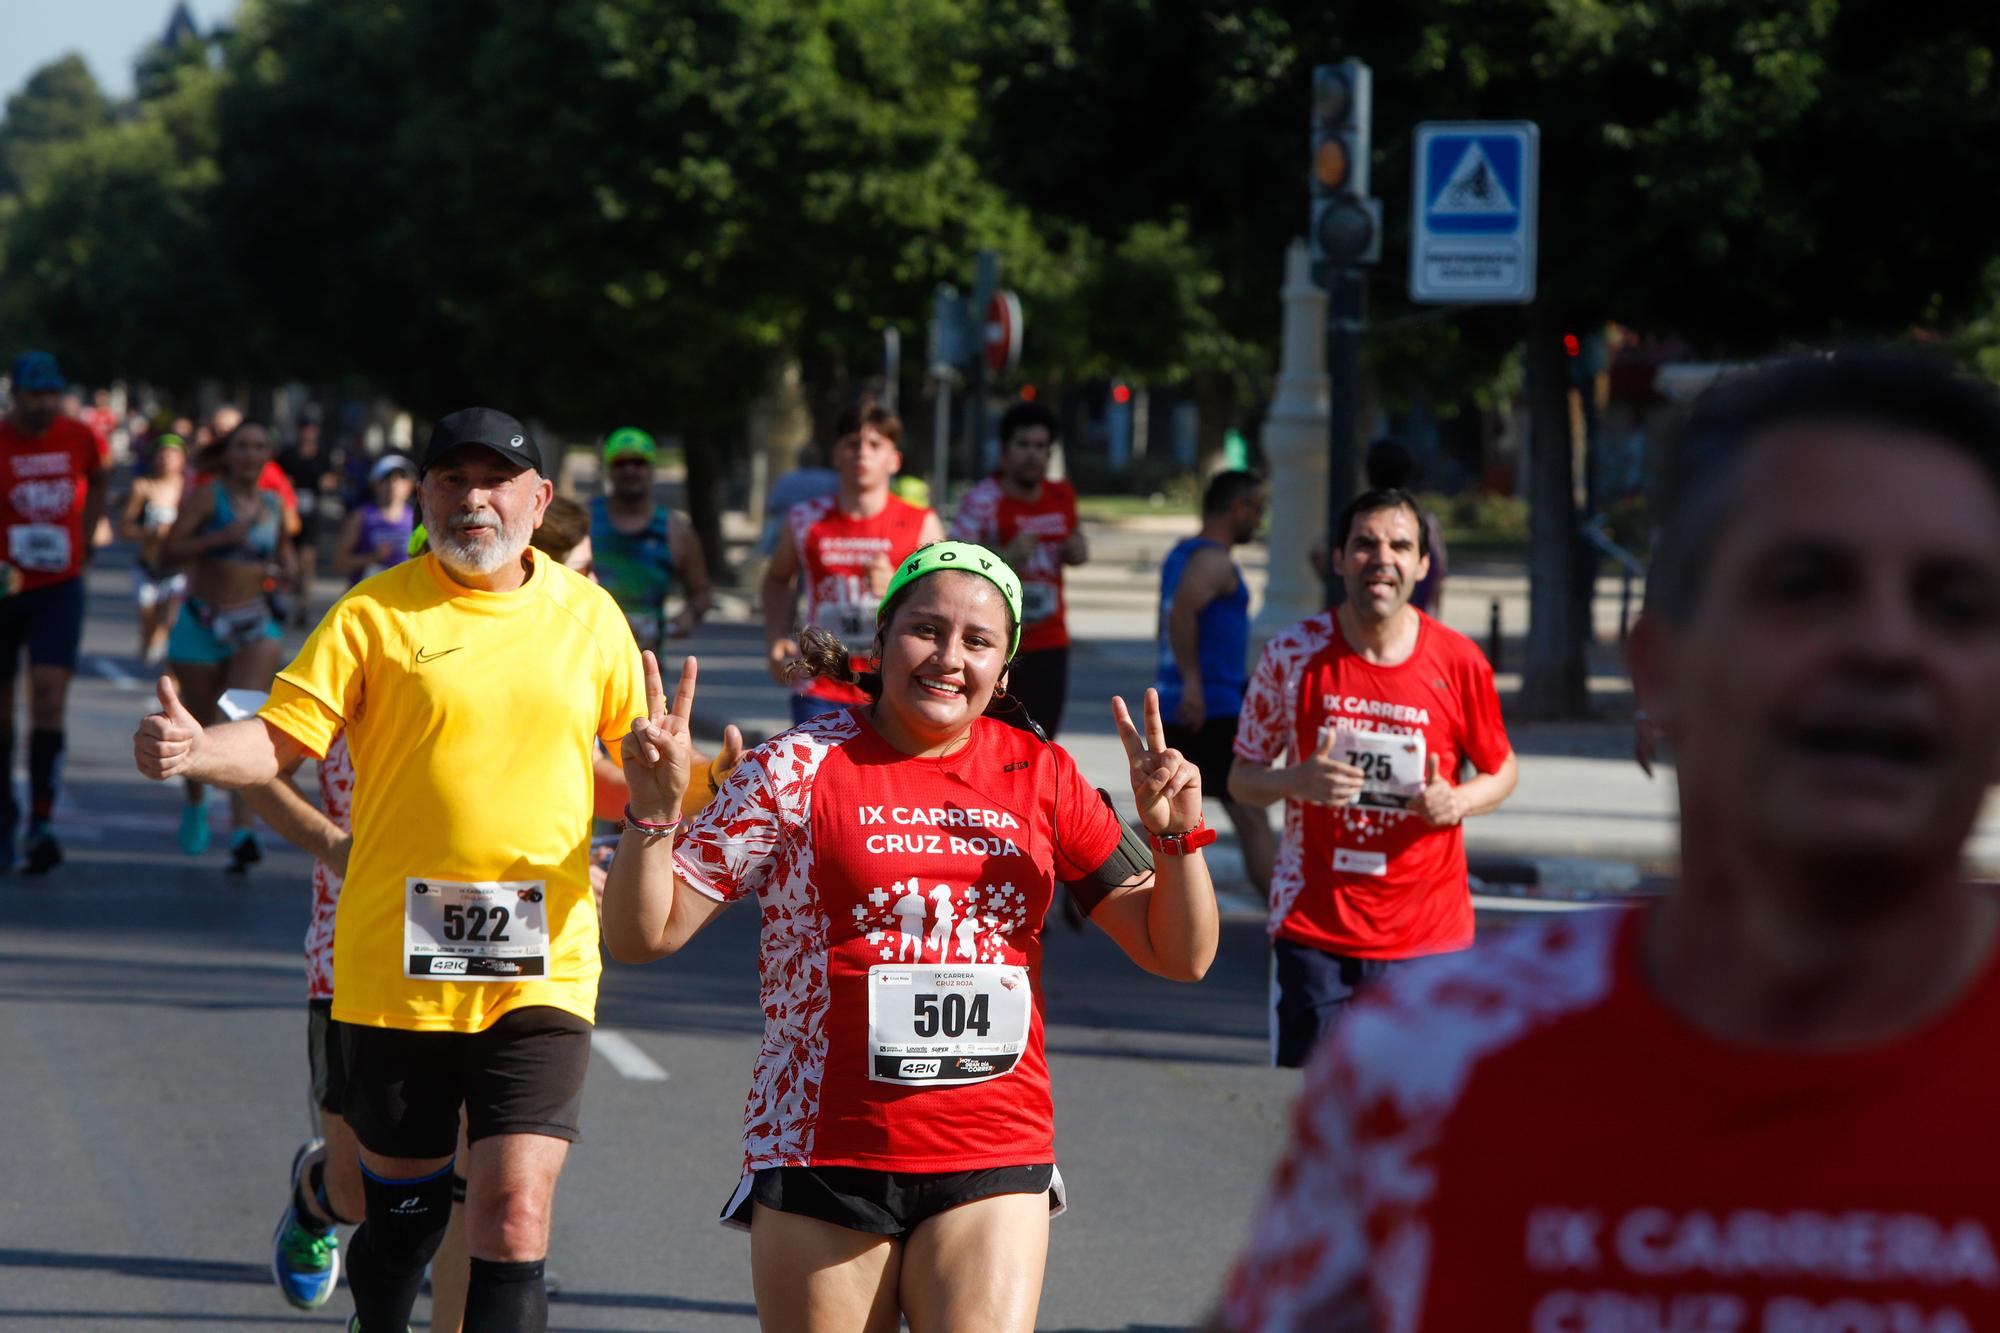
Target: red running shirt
1523,1137
1360,880
46,477
992,518
836,552
886,879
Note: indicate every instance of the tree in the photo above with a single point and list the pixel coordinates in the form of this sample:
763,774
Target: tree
613,213
110,259
59,104
1742,176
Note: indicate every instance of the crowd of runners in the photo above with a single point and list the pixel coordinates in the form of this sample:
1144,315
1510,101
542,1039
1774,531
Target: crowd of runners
1585,1127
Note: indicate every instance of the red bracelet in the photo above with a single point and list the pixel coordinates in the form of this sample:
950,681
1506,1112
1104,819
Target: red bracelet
1180,844
651,830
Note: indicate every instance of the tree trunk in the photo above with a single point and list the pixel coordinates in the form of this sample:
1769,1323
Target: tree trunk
1554,679
705,454
1215,405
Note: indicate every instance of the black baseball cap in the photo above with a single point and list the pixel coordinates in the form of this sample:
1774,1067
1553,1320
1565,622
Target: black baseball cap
487,426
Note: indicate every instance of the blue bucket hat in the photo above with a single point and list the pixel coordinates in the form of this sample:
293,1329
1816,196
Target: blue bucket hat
37,372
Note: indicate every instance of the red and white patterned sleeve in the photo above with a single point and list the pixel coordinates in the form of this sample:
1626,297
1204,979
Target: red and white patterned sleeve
1306,1263
1264,730
973,521
736,844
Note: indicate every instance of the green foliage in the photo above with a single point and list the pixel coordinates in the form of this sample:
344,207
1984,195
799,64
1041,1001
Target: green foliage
109,260
60,104
1475,517
630,209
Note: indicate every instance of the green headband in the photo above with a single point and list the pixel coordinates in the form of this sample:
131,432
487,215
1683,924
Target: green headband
964,558
629,440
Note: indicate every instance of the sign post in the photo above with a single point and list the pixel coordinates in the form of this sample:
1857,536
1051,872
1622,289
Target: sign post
1475,193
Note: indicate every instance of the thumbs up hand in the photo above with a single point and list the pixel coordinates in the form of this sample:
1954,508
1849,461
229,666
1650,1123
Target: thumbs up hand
1320,779
1438,806
166,742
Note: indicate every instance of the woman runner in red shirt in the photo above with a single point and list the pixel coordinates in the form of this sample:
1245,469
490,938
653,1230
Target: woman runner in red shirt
899,1144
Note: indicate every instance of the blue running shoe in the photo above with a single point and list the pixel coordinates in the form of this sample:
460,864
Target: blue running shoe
304,1263
194,826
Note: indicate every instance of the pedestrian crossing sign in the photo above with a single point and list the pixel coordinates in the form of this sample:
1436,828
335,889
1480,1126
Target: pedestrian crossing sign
1473,207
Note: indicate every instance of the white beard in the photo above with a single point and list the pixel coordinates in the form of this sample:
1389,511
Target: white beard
471,555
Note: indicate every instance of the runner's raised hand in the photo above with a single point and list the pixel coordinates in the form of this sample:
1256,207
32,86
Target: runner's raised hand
165,743
1320,779
1166,786
659,750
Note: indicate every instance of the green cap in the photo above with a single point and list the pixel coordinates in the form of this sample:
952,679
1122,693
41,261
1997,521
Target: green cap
965,558
629,440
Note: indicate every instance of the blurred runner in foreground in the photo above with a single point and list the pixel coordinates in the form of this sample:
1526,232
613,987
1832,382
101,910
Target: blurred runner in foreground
1767,1102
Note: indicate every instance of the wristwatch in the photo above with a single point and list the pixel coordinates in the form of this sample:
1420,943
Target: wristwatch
1180,844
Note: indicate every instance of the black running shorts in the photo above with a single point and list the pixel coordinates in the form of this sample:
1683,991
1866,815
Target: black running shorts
523,1075
1211,747
886,1203
325,1058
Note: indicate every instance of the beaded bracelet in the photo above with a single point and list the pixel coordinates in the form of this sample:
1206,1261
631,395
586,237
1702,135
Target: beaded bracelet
651,830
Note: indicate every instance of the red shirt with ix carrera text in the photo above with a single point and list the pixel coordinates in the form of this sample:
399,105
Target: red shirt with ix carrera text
903,900
1371,880
1525,1137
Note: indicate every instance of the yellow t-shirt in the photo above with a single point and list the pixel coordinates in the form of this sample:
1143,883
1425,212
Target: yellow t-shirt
471,717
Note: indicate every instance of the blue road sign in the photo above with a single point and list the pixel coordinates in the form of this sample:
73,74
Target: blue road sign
1473,207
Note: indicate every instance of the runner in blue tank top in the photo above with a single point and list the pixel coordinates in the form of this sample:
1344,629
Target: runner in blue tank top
640,550
1204,636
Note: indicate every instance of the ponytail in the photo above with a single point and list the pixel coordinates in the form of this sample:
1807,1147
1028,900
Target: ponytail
822,656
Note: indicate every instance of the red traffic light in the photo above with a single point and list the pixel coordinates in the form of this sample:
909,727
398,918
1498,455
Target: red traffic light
1572,345
1121,393
1027,393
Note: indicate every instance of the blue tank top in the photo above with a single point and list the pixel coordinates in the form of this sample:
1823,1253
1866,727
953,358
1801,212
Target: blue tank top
636,568
260,543
379,530
1222,631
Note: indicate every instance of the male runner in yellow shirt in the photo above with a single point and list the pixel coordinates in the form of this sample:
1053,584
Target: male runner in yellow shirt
471,684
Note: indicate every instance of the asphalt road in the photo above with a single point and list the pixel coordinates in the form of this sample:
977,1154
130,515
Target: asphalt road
154,1088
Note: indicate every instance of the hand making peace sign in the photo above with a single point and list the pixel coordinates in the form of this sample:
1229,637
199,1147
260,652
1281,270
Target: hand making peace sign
1165,784
658,752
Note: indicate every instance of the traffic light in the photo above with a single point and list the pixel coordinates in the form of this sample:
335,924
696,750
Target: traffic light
1345,225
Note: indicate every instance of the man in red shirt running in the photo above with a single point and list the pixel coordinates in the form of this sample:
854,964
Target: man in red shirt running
846,546
52,467
1380,709
1767,1102
1031,521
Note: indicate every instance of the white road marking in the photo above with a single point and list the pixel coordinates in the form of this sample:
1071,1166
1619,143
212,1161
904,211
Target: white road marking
625,1056
120,678
1495,902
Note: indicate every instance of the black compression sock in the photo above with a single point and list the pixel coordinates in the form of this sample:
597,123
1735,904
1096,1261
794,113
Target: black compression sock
45,748
10,810
508,1298
382,1298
